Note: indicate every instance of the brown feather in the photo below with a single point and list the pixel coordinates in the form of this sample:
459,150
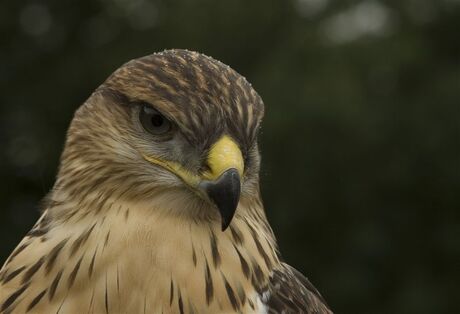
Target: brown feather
120,234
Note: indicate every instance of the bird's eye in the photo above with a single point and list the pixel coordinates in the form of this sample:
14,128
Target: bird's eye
153,121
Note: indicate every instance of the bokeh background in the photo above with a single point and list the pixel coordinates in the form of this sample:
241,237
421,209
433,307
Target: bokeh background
361,158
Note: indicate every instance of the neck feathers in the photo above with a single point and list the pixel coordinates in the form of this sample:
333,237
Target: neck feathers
131,256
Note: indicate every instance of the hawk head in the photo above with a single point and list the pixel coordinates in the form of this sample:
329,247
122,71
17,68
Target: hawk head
173,126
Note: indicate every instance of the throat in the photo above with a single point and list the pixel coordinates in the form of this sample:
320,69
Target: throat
150,259
178,263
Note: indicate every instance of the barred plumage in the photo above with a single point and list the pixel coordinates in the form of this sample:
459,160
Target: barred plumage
143,220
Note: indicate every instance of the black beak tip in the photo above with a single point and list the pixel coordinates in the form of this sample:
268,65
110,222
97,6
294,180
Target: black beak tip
225,193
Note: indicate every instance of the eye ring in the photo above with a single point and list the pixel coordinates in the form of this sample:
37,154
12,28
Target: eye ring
153,121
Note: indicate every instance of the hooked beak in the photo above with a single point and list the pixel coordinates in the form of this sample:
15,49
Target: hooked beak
225,193
221,184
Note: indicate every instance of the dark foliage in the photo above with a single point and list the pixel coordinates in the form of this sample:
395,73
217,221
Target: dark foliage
361,157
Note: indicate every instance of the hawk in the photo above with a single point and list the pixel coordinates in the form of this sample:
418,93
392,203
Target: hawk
156,207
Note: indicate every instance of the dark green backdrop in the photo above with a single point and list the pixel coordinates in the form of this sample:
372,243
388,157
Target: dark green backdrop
360,143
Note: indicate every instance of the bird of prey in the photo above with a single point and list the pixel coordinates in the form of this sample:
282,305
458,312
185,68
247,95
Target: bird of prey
156,207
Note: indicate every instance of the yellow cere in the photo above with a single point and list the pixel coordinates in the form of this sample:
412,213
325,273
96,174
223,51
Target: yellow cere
223,155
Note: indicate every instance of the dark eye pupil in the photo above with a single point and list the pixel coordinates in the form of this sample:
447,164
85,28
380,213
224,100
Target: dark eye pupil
153,121
157,120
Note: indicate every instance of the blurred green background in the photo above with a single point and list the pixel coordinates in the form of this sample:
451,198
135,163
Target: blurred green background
361,158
